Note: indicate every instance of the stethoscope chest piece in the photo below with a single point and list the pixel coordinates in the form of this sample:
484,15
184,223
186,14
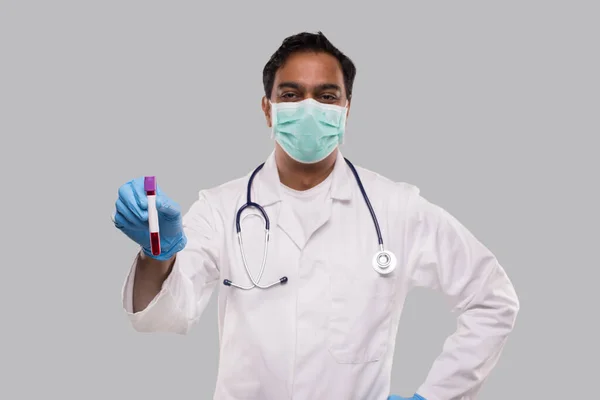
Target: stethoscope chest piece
384,262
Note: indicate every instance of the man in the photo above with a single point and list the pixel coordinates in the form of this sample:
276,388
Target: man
319,321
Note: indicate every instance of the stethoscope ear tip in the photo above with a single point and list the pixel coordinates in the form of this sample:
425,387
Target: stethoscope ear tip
227,282
283,280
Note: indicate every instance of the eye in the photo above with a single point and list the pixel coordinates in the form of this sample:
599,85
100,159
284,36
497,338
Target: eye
328,97
288,96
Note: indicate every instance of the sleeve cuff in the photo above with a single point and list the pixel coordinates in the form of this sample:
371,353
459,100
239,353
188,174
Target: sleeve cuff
426,394
162,314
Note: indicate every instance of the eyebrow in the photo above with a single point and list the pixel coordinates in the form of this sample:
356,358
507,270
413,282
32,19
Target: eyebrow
292,85
326,86
295,85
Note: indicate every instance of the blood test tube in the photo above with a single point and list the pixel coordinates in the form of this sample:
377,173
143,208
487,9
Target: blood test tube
150,188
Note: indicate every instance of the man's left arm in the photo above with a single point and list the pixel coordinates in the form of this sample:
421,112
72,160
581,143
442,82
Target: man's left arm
445,256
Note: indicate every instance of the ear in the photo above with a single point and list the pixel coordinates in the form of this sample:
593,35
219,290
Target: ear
266,107
348,108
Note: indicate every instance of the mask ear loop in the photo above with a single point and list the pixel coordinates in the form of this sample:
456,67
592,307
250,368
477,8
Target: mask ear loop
273,122
344,117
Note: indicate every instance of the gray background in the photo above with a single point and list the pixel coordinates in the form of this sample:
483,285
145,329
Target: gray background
491,108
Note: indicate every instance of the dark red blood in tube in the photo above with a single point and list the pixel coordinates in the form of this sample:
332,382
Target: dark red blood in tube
155,243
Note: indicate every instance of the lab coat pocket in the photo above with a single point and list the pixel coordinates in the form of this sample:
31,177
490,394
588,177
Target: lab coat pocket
359,316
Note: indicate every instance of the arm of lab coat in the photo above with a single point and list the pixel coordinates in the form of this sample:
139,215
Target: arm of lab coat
447,257
191,282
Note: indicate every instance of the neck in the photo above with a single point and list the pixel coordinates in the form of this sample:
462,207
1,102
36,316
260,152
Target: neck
298,176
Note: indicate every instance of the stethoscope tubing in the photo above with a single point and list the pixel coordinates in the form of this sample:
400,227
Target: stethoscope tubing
250,204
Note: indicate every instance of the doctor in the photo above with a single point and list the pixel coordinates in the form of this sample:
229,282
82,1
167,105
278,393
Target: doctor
312,313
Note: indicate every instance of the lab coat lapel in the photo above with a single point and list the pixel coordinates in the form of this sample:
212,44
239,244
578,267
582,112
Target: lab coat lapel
268,193
288,222
340,191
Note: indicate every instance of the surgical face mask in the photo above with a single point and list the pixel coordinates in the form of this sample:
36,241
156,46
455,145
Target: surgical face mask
308,131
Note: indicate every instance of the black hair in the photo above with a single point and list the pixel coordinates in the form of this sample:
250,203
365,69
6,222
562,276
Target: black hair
306,41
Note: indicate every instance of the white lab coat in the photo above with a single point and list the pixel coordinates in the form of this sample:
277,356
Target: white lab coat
329,333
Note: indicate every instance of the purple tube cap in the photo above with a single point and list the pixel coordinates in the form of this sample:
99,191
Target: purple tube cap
150,183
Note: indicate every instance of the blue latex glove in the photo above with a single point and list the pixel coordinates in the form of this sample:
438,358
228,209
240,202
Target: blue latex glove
415,397
131,217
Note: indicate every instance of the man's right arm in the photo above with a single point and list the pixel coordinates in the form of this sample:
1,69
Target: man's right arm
149,278
170,295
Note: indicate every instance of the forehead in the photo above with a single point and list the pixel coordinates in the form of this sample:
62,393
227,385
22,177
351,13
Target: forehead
310,68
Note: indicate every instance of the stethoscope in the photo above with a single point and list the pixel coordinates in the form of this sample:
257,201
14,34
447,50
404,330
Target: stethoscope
384,261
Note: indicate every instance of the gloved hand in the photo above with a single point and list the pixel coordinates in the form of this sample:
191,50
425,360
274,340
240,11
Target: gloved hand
414,397
131,217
